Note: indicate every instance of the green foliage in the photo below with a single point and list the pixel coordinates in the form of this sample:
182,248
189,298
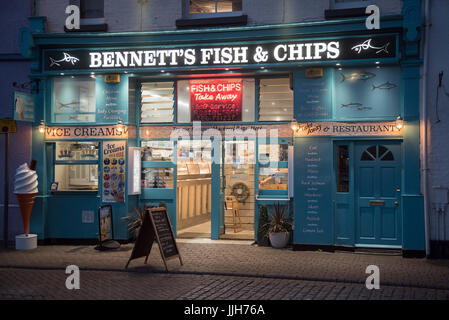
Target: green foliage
279,223
262,227
134,223
162,204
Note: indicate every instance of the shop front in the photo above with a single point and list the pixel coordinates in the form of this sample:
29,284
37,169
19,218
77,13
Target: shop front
202,121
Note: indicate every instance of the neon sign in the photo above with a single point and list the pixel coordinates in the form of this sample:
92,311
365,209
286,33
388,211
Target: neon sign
216,100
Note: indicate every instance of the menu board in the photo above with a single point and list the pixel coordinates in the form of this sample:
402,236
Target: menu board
114,171
155,224
111,100
164,232
313,96
314,203
216,100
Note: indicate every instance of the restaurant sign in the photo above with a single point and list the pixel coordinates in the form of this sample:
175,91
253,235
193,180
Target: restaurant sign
378,128
274,52
88,132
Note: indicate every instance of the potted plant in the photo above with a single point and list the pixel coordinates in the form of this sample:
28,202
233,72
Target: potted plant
262,227
134,222
279,227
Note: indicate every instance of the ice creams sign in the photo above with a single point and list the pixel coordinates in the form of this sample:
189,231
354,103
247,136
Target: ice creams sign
84,132
291,51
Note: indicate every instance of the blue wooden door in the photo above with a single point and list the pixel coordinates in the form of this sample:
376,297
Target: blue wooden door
377,193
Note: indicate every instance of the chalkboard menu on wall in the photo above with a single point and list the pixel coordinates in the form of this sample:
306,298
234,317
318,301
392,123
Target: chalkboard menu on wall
313,206
313,96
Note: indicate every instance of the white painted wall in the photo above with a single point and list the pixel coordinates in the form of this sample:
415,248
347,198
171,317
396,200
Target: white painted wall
129,15
439,130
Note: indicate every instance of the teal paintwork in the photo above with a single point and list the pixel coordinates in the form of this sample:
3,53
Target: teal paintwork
338,222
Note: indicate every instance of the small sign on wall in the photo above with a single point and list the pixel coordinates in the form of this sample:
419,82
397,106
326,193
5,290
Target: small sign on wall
87,216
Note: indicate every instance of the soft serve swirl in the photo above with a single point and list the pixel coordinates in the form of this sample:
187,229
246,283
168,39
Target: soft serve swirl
25,180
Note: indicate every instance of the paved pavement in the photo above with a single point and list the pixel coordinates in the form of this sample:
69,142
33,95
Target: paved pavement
50,285
242,259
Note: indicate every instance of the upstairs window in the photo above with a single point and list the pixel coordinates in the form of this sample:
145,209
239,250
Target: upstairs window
91,9
348,4
213,7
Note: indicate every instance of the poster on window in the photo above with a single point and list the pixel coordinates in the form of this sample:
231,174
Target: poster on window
114,171
216,100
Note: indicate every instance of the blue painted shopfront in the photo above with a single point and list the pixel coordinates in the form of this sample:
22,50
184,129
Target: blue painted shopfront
336,198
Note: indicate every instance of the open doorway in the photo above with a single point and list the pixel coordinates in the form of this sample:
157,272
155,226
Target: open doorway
194,189
238,181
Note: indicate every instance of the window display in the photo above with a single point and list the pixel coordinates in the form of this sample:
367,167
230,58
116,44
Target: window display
273,178
73,99
157,150
157,178
76,166
273,153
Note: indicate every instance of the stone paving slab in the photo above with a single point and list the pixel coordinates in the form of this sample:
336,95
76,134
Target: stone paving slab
30,284
242,260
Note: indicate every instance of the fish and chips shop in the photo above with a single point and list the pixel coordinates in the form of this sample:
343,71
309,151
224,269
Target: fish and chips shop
322,118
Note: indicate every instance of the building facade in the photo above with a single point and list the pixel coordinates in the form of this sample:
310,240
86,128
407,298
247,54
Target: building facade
15,69
203,104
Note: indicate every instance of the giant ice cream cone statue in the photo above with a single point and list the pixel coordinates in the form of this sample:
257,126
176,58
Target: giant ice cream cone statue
25,188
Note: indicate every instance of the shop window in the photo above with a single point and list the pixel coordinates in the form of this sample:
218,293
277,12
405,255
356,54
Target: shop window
216,100
346,4
73,100
275,100
157,150
213,6
273,178
377,152
159,178
76,166
342,169
157,100
269,153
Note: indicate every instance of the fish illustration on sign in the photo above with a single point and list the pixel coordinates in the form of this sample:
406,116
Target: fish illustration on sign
67,105
74,118
355,105
351,105
66,58
367,45
355,76
385,86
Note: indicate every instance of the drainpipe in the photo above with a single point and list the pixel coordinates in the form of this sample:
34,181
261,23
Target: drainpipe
424,117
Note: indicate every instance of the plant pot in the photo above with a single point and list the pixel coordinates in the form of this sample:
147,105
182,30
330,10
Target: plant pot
279,239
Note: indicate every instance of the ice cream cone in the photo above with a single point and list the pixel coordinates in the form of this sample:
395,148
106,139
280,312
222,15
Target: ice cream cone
26,201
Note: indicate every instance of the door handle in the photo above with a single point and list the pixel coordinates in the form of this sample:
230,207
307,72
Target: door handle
396,203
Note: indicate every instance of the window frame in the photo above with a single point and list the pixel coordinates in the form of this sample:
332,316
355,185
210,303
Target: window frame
210,15
351,4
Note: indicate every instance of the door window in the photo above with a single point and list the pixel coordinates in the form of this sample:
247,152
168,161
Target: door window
377,152
342,168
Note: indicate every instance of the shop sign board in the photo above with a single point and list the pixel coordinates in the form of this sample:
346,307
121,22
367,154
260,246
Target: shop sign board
24,106
253,53
371,128
238,131
218,100
156,224
114,171
88,132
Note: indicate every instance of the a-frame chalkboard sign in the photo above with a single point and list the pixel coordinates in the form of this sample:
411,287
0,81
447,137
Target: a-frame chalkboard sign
155,224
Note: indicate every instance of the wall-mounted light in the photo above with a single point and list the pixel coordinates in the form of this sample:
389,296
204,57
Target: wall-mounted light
399,122
41,127
120,127
295,126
